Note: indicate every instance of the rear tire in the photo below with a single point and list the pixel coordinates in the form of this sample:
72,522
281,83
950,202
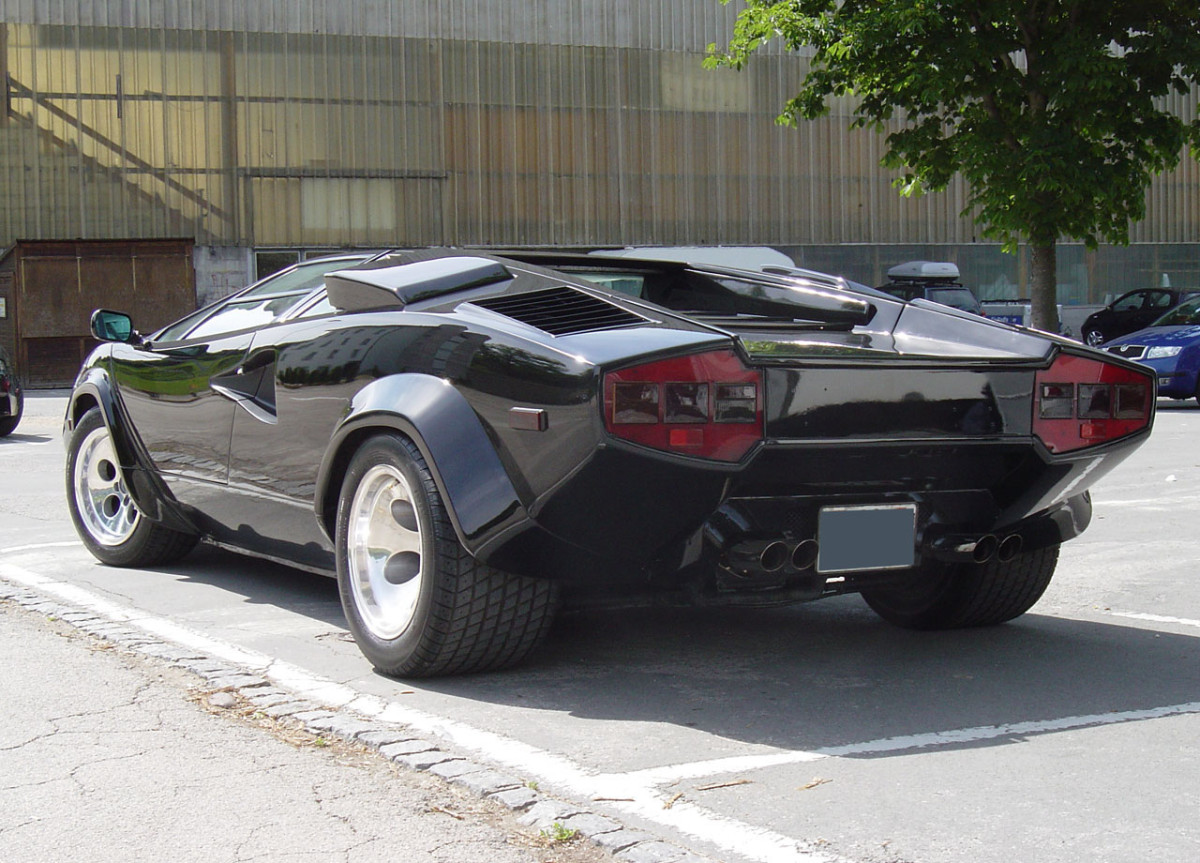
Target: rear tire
417,602
954,596
105,516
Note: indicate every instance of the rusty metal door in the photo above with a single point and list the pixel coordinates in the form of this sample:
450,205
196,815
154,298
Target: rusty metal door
59,284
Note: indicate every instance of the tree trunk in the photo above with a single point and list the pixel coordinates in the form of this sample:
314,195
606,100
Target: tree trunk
1043,288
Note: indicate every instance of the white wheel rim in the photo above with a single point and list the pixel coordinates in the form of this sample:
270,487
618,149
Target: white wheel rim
384,554
104,504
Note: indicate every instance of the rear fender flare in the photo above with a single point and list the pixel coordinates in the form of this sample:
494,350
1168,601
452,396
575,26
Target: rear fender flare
484,506
150,494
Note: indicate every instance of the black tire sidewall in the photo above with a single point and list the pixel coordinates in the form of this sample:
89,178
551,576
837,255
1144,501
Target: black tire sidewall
949,596
397,655
920,603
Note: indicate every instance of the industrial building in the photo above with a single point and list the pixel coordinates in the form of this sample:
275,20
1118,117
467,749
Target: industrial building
262,132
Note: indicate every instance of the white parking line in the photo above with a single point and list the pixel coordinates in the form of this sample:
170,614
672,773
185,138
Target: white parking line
636,793
741,764
645,802
1155,618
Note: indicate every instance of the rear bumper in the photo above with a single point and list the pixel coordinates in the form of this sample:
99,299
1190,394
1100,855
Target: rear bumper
629,513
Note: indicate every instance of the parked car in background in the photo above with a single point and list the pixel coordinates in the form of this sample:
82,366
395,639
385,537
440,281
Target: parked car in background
1170,346
12,400
1129,312
464,439
936,281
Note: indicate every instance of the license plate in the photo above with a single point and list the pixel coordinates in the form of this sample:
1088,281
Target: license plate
855,538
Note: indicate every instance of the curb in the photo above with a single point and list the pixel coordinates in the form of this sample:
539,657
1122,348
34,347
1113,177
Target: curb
533,809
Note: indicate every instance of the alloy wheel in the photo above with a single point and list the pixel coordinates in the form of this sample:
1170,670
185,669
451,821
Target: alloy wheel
384,553
104,503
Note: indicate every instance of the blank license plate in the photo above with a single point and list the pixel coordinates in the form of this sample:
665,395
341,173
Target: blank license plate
866,537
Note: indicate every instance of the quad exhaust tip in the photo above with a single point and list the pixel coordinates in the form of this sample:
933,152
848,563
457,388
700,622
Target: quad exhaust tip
774,556
1009,548
985,548
804,555
977,549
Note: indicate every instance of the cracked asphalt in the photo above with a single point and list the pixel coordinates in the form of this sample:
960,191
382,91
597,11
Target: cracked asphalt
106,755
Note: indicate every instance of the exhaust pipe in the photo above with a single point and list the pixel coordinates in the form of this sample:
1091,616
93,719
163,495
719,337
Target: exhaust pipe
774,556
804,555
761,556
965,549
1009,548
757,556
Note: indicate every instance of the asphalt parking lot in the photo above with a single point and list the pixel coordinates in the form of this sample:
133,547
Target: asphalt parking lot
810,733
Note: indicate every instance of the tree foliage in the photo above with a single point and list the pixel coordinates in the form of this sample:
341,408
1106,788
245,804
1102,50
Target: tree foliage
1053,110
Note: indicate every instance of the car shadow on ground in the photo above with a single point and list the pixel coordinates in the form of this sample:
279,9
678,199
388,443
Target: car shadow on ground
1177,405
263,582
831,674
20,437
804,677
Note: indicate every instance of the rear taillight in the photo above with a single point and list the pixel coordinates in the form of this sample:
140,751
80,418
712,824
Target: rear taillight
1081,402
707,405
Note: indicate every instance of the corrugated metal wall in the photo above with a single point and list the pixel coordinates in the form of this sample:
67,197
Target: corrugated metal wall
374,122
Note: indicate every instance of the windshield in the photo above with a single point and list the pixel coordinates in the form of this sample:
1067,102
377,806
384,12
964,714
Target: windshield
1184,314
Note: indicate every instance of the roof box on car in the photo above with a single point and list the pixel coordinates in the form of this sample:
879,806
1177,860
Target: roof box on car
923,271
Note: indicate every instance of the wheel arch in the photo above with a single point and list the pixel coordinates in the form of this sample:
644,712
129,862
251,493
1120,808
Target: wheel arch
479,496
154,500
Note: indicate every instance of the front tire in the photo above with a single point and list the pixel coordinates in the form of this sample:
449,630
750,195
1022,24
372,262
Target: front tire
105,516
417,603
954,596
1093,338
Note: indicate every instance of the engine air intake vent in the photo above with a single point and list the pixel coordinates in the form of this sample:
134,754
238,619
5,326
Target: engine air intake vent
562,311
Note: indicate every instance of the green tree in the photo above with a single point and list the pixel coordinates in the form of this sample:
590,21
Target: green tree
1053,110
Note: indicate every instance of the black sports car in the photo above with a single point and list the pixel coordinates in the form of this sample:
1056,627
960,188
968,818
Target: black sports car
466,438
12,400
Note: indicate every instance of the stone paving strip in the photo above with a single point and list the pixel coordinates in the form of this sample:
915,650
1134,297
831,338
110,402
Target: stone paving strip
533,808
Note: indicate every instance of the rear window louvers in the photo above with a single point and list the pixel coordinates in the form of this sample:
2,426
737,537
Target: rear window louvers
562,311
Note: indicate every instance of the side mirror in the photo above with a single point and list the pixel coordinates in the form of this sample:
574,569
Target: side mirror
109,326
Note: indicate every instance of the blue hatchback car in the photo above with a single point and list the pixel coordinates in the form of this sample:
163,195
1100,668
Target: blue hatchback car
1170,346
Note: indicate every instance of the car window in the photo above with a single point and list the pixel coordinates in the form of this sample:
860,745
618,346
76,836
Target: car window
625,283
242,314
320,307
175,331
904,292
301,278
1131,302
959,298
259,304
1184,314
1158,300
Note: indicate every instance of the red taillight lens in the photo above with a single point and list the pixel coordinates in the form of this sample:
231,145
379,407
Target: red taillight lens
707,405
1082,402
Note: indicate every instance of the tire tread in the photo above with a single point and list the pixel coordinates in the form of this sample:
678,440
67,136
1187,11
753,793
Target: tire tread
968,595
480,618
